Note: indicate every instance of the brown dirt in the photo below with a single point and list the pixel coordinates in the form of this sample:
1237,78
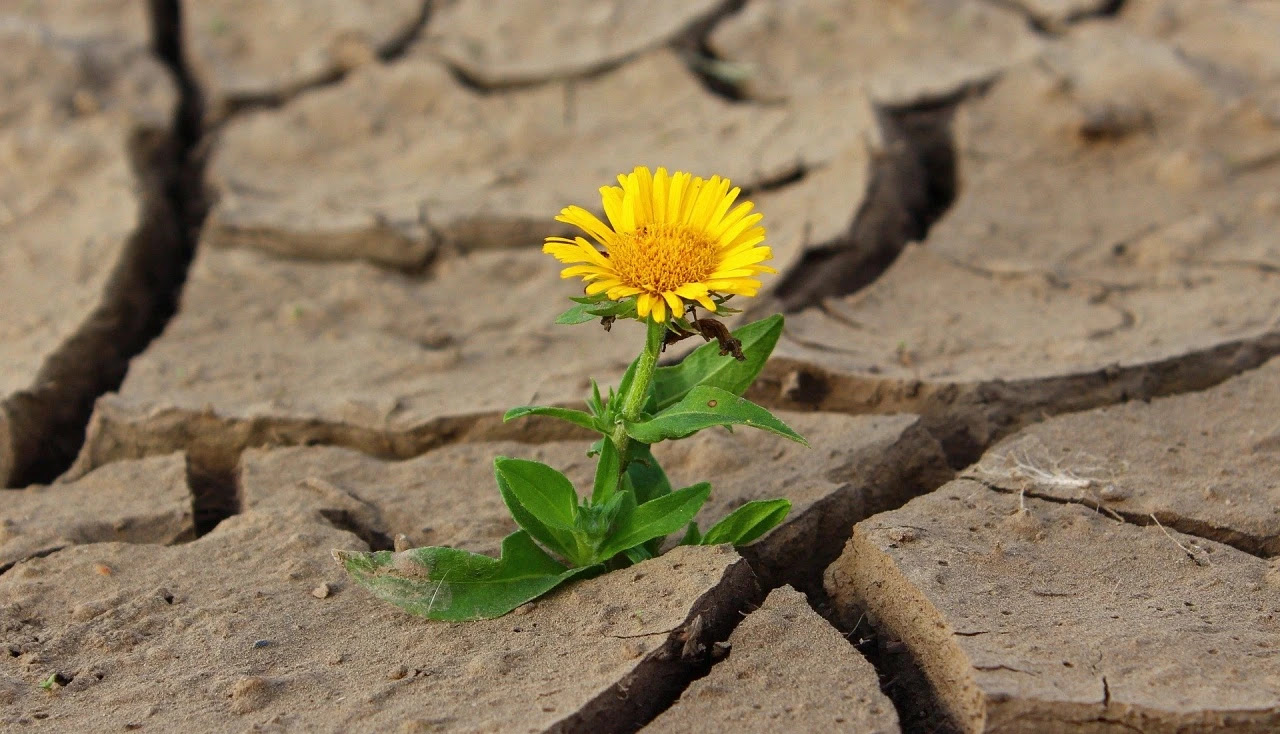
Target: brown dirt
226,633
1152,272
787,670
83,124
526,41
1056,618
242,53
824,48
145,501
507,162
1204,463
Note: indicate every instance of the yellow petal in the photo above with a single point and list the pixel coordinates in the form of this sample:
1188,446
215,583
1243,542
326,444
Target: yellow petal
744,241
730,274
644,195
691,290
691,194
564,253
620,292
677,306
592,255
659,309
702,207
644,302
601,286
729,235
739,286
611,197
746,257
628,208
731,219
676,195
581,270
722,206
587,222
661,184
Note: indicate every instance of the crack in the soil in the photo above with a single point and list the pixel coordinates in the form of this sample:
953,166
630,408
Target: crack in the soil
902,678
43,552
1043,27
1200,529
396,48
912,184
141,293
694,47
968,417
657,683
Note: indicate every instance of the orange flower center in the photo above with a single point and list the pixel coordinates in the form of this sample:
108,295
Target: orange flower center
659,258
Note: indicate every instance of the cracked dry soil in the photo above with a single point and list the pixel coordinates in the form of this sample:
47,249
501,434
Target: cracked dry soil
266,269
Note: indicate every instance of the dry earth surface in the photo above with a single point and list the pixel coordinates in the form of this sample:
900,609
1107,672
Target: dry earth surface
270,274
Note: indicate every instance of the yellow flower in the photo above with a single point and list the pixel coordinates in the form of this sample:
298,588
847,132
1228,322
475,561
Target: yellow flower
669,239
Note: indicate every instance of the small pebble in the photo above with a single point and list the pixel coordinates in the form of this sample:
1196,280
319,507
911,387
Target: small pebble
398,672
103,569
261,643
321,591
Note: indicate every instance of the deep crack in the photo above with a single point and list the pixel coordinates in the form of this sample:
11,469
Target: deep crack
141,293
913,183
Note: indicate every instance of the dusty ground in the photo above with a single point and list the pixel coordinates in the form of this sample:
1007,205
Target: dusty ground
270,275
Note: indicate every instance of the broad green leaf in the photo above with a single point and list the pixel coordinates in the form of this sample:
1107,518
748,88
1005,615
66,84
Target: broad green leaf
454,585
608,471
705,365
748,522
647,478
655,519
703,407
576,417
691,535
542,501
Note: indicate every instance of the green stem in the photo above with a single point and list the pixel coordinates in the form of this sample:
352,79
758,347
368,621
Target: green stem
633,402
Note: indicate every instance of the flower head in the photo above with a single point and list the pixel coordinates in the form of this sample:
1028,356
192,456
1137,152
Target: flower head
670,239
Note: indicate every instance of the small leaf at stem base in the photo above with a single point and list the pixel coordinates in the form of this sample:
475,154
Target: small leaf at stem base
454,585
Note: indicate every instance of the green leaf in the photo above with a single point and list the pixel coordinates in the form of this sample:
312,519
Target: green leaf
704,407
705,365
647,478
655,519
576,417
638,553
542,501
594,402
454,585
748,522
691,535
579,313
583,312
608,471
